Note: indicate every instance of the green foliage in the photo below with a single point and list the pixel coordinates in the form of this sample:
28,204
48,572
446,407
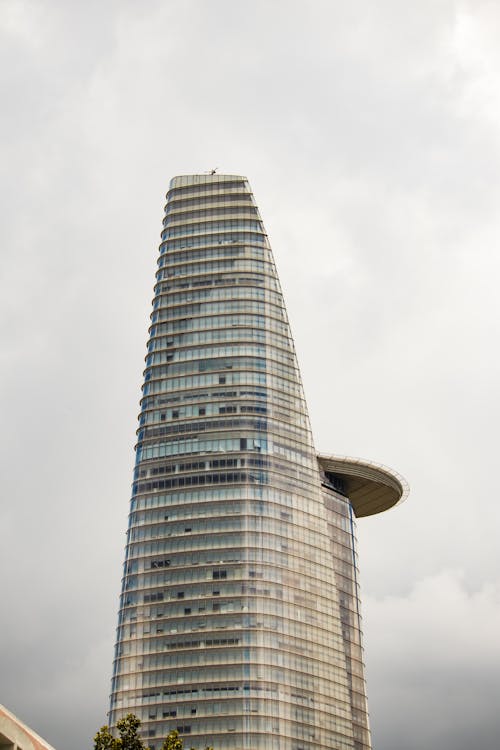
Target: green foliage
127,729
173,741
129,739
104,740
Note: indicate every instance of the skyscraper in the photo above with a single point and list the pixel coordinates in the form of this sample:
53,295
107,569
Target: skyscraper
239,620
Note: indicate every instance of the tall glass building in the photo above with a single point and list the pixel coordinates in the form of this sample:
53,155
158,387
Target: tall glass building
239,620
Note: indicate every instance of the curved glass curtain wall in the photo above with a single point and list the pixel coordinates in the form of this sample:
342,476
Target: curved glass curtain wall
238,620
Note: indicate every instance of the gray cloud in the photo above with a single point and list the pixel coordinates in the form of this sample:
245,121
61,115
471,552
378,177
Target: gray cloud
434,662
370,135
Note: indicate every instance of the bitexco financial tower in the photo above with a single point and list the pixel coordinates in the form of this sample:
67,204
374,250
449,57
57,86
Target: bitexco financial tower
239,620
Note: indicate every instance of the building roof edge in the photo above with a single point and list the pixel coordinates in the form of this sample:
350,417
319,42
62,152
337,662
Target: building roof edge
184,180
35,740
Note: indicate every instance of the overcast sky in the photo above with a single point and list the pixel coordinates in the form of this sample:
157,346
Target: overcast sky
370,133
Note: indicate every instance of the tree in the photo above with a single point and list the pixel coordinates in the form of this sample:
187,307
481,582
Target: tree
127,729
104,740
173,741
128,739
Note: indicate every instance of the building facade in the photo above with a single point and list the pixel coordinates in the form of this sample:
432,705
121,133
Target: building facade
16,735
239,621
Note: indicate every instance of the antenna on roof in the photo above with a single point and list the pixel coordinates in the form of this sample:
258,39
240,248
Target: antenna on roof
212,171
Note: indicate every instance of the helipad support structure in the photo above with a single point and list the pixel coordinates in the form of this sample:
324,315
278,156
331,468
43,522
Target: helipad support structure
239,620
371,488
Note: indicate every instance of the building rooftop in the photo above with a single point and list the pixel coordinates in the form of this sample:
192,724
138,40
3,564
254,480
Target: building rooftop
183,180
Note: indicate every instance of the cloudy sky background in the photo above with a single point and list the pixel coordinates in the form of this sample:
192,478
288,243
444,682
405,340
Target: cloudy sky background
370,133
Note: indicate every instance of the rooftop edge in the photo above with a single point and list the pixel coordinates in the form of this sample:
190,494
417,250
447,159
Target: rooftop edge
183,180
